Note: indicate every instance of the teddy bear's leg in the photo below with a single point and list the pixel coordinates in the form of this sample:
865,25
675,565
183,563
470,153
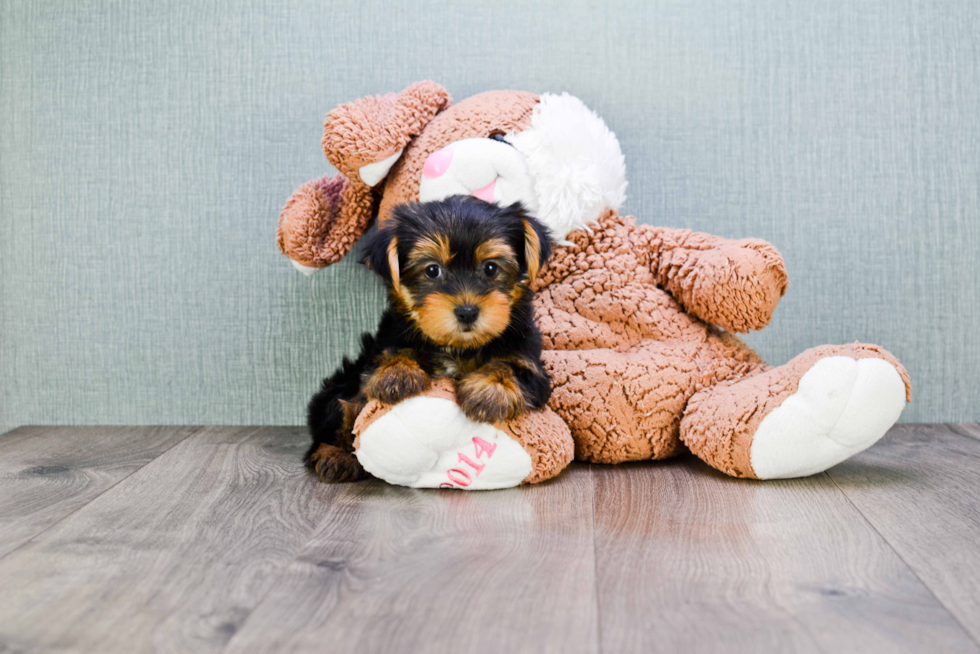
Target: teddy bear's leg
624,406
801,418
427,442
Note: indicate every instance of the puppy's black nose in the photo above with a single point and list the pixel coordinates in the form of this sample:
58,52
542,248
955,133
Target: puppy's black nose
467,314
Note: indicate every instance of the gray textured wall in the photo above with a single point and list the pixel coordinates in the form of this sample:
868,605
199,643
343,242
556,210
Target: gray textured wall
146,151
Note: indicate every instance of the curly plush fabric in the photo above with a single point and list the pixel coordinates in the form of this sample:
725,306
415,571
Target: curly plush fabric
638,322
623,354
478,116
719,422
323,219
547,439
372,129
690,266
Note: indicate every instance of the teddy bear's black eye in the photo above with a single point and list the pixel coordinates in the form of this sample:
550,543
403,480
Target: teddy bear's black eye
433,272
490,269
497,135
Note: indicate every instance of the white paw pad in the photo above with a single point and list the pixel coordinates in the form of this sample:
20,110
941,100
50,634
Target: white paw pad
841,407
427,442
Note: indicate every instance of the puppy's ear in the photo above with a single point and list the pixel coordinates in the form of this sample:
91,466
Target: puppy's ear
537,246
381,256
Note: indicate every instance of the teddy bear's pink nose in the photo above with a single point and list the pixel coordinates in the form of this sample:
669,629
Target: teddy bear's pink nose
437,163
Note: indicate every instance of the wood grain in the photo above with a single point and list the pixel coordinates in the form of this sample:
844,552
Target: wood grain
690,560
920,488
224,543
401,570
46,473
964,429
173,558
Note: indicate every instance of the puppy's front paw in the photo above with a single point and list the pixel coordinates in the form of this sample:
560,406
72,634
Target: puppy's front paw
397,378
490,394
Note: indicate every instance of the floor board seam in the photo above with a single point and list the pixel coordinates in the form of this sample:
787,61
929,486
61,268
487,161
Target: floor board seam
193,430
901,558
595,566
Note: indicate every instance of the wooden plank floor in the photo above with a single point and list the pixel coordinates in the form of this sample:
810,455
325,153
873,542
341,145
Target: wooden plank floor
216,540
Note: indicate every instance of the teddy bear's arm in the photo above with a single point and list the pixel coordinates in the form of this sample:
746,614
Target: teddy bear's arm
733,284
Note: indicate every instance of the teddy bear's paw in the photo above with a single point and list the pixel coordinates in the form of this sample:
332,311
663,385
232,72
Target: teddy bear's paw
427,442
841,407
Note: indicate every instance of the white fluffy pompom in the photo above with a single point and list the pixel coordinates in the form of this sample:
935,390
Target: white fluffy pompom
575,161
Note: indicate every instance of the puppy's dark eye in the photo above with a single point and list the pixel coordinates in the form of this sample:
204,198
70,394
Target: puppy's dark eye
490,269
497,135
433,272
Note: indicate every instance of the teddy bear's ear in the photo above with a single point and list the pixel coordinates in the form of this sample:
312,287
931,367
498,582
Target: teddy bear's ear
322,220
364,138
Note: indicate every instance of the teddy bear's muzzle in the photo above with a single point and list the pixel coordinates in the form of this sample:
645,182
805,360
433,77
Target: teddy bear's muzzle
486,168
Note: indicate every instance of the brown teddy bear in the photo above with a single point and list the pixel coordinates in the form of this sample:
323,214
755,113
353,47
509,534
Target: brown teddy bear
637,320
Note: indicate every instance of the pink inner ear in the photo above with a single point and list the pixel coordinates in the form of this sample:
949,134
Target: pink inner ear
437,163
486,193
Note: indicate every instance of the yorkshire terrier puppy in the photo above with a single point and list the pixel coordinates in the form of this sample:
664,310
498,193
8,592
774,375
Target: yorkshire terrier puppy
459,307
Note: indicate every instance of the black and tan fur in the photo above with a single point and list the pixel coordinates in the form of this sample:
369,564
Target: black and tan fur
459,307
